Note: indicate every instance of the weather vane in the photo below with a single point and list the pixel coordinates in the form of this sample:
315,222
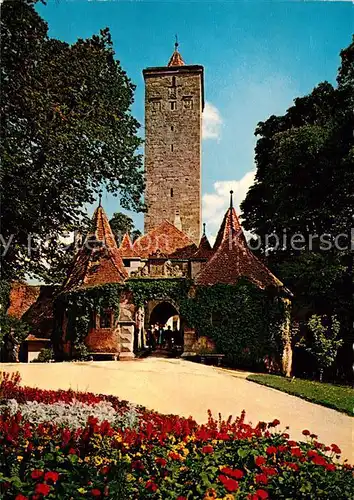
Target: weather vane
176,42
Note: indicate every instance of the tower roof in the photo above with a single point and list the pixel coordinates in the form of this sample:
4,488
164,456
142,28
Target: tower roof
99,260
233,259
204,249
165,238
126,248
176,58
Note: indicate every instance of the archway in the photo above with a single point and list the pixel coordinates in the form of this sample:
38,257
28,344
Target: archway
164,327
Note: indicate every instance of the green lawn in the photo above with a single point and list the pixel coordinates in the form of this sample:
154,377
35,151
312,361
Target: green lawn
339,397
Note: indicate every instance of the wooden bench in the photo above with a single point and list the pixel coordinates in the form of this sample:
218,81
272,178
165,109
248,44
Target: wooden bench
218,357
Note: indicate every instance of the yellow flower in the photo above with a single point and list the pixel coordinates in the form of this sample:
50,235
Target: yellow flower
229,497
210,494
86,459
143,446
130,478
82,491
138,454
19,458
98,460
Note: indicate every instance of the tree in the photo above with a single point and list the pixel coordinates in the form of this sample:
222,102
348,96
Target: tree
67,132
305,186
121,224
325,341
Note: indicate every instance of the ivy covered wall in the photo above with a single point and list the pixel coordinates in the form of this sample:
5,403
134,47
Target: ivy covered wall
244,321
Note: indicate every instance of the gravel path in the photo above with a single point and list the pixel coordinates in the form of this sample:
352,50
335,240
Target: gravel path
185,388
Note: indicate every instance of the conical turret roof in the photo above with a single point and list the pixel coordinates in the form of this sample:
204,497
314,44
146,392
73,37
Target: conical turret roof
233,259
99,260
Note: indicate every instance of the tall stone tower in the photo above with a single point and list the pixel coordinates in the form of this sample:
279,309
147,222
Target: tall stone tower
174,101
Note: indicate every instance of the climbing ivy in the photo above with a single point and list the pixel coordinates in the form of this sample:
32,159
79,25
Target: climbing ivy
80,307
244,321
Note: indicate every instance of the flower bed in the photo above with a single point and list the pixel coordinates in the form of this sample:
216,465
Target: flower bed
149,455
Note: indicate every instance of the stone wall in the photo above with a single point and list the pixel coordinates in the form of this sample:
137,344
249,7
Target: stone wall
173,119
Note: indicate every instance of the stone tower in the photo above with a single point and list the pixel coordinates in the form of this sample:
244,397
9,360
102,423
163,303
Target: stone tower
174,101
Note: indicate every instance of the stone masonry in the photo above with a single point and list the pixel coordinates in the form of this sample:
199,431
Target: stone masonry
174,101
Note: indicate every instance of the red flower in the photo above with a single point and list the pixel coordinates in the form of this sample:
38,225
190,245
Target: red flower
51,476
286,435
282,448
150,485
43,489
274,423
138,465
312,453
305,432
296,452
229,484
105,469
95,492
292,443
181,498
207,449
262,494
36,474
271,450
236,473
270,471
319,460
336,450
292,466
331,467
72,451
161,461
260,461
261,478
21,497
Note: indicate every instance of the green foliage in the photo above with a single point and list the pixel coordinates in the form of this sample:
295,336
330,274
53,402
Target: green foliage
45,356
145,289
8,324
244,321
67,133
304,185
325,344
333,396
121,224
80,308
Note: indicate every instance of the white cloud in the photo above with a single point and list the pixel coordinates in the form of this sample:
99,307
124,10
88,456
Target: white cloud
212,122
215,204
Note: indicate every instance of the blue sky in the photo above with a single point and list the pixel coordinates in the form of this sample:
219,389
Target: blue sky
258,56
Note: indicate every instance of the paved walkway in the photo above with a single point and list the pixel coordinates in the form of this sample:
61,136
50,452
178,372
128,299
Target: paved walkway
185,388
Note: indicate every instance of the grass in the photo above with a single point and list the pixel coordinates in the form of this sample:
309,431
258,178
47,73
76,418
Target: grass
338,397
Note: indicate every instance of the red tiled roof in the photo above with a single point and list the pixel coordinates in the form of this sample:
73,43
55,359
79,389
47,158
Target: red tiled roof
204,250
126,248
22,296
233,259
229,227
176,59
165,238
34,304
99,260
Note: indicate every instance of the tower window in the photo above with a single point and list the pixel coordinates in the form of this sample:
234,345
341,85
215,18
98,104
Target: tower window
105,319
172,128
172,148
173,105
171,192
173,81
